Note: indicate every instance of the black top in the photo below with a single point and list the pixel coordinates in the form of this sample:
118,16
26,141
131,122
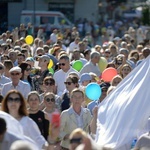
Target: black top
66,102
42,123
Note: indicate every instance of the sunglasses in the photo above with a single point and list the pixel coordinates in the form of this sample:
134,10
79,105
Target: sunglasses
61,64
69,83
49,83
28,69
15,74
50,99
1,67
16,100
76,140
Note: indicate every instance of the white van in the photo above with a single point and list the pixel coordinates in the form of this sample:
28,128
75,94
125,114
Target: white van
42,18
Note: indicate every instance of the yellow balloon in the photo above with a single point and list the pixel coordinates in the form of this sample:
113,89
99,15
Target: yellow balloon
102,64
50,65
29,39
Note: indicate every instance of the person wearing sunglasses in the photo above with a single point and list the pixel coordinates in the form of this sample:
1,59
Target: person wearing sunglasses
70,83
15,105
50,106
41,73
36,114
61,75
74,117
25,70
16,83
49,86
76,138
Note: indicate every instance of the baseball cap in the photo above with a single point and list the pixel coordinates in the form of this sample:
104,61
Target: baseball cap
45,57
17,69
85,77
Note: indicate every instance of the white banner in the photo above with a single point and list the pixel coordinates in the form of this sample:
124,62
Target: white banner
123,115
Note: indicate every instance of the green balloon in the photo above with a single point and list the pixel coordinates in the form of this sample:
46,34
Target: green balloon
77,65
51,70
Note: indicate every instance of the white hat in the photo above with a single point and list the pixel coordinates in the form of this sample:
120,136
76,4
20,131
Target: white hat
17,69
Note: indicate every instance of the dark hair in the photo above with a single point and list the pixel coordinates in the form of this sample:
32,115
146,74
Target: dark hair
3,126
23,67
8,64
49,78
74,80
21,54
22,110
66,57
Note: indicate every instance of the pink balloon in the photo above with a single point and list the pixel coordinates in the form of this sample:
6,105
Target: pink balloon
108,74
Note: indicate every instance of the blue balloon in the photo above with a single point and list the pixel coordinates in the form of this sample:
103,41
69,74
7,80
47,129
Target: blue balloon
93,91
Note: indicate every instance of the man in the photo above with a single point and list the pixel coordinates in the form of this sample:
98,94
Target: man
125,52
13,57
16,83
77,56
86,54
146,53
92,66
74,117
60,75
42,73
20,58
3,79
53,36
74,45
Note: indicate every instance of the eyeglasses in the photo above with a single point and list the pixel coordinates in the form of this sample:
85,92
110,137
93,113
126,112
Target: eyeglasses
28,69
1,67
69,83
50,99
61,64
16,100
15,74
49,83
76,140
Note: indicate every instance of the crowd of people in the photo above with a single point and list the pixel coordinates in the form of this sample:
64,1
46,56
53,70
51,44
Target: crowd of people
33,93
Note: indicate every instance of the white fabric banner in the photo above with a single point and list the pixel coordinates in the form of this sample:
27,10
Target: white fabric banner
123,115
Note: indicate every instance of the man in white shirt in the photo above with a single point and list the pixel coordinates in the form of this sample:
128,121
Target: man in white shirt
16,83
61,75
53,36
74,45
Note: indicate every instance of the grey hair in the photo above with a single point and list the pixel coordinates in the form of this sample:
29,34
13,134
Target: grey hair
93,54
66,57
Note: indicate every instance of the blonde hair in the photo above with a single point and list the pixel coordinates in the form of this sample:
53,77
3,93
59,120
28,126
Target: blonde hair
78,131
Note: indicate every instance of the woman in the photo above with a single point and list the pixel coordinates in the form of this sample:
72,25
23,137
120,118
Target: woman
125,70
71,83
50,106
116,80
25,70
37,115
49,86
15,105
